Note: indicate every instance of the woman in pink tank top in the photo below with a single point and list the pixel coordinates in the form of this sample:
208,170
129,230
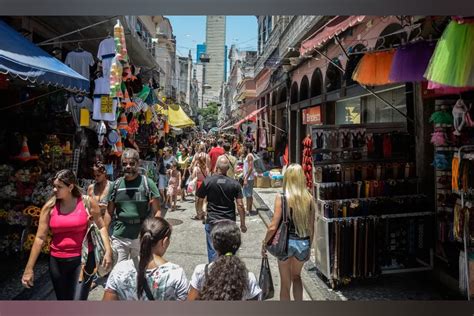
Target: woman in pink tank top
66,215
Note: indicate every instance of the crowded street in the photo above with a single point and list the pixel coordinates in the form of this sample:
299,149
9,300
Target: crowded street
236,158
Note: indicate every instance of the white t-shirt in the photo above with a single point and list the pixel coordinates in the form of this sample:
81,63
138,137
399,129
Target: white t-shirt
80,62
168,282
199,276
102,85
80,102
97,113
106,47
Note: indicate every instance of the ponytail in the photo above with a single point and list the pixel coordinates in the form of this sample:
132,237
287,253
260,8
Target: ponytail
145,256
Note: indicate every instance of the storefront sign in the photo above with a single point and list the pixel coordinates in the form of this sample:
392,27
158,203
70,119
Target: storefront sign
312,115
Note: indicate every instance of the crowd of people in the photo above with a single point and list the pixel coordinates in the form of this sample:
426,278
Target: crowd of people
219,174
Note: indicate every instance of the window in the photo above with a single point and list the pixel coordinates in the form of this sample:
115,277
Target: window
269,25
375,111
348,112
369,109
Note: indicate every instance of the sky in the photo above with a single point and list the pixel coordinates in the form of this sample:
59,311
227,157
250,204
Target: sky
190,30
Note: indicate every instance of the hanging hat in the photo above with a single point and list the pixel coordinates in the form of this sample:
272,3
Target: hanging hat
25,152
113,137
143,94
118,148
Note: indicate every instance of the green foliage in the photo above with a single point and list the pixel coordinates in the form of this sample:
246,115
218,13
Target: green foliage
209,114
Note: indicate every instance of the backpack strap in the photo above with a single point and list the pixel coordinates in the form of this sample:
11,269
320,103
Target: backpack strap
146,287
206,270
147,187
117,183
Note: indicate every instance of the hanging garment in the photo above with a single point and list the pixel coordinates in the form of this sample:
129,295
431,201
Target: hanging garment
263,138
410,61
459,116
442,89
105,54
374,68
452,63
80,61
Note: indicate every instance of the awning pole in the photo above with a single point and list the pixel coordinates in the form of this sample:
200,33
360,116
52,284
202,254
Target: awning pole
365,87
266,122
78,30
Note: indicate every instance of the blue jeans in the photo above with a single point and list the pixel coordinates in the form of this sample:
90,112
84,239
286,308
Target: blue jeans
211,253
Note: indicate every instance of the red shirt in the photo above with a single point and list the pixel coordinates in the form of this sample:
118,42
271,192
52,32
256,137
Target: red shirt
68,231
214,153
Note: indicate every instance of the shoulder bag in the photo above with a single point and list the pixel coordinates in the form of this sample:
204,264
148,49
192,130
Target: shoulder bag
278,244
93,235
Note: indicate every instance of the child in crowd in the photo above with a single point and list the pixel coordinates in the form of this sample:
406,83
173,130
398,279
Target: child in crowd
174,183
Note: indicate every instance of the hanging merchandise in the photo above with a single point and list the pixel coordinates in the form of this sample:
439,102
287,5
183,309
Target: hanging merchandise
441,162
80,61
148,115
374,68
120,44
101,131
452,63
410,61
133,126
166,127
105,54
438,138
308,161
143,94
123,125
116,78
460,113
441,117
263,138
84,120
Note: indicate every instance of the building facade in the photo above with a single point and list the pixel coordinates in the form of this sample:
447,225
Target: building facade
215,69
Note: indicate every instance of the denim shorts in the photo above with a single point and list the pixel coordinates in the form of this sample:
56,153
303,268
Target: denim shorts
247,190
298,248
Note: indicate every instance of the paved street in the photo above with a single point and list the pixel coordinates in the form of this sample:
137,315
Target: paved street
188,245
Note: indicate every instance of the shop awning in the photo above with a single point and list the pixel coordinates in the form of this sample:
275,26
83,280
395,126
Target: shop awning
250,117
21,58
177,117
333,28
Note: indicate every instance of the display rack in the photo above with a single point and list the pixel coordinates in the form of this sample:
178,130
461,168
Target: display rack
349,246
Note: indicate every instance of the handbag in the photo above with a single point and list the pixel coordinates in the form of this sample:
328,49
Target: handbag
93,235
265,281
278,244
191,186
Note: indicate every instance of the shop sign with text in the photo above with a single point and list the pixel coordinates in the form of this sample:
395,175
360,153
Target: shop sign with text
312,116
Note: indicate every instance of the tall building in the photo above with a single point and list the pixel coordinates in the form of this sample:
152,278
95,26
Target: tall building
215,49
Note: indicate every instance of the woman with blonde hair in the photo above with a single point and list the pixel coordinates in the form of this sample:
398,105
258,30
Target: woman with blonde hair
67,215
200,172
300,208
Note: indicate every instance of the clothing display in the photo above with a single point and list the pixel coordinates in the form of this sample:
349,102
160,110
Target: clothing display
98,110
374,68
80,61
410,61
452,63
105,54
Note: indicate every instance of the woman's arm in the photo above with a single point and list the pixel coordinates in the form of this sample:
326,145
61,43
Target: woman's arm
193,294
104,233
277,213
41,235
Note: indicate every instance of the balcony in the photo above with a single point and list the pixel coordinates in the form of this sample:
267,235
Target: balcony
268,49
296,31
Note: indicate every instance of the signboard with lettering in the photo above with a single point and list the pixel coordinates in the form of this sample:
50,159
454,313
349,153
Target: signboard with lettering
312,116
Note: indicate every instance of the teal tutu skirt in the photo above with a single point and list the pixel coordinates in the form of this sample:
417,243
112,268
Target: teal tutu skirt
452,63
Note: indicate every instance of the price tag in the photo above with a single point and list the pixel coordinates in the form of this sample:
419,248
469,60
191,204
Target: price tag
106,104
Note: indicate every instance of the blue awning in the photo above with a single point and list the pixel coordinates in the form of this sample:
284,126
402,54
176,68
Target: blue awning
21,58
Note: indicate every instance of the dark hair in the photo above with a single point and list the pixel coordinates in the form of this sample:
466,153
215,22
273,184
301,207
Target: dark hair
99,166
152,231
226,147
249,147
228,276
214,143
68,177
220,142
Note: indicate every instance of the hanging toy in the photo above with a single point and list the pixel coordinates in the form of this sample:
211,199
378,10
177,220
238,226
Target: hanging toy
133,126
123,125
101,131
120,44
117,149
438,138
459,116
441,117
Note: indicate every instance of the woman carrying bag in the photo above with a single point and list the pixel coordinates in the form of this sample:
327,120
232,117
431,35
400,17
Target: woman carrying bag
66,215
294,216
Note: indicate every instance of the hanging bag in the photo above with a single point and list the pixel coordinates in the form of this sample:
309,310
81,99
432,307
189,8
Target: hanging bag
265,281
278,244
93,236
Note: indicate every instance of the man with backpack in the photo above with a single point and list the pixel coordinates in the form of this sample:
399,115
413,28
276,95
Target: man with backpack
133,198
